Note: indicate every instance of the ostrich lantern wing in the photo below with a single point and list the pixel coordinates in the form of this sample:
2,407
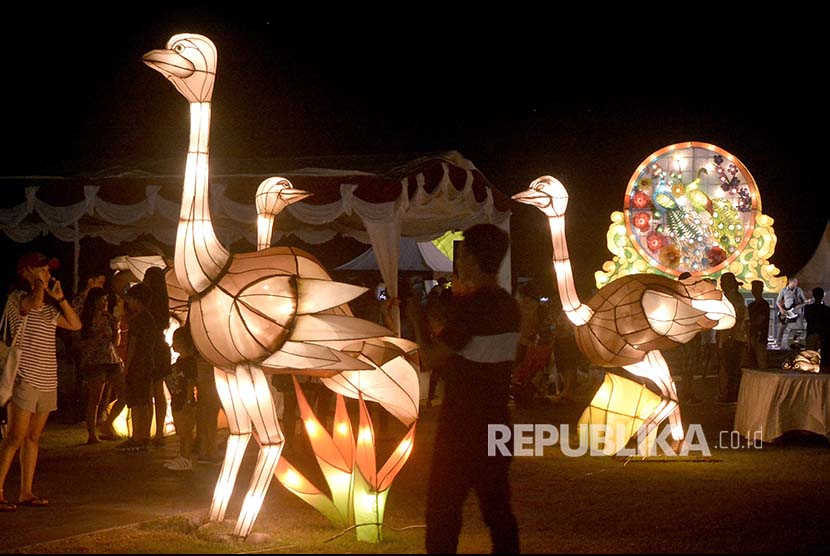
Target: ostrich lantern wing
383,370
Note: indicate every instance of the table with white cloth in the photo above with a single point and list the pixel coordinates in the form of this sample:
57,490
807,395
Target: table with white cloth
772,403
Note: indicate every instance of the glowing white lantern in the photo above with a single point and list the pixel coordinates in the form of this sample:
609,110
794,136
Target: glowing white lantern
273,309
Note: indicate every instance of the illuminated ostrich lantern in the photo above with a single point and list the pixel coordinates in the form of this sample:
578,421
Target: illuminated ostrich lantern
630,320
247,311
692,207
358,490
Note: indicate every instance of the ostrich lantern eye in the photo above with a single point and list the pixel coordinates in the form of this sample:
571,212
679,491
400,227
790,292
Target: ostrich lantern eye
179,48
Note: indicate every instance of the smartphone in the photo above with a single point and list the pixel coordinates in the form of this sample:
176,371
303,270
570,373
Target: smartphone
52,283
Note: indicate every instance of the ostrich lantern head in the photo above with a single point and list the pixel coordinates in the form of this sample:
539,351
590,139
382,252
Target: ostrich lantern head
275,193
547,194
272,196
189,62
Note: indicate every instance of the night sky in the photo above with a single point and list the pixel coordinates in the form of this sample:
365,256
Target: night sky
520,96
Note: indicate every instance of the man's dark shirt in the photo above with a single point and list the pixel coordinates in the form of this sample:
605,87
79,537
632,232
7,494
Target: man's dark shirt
483,331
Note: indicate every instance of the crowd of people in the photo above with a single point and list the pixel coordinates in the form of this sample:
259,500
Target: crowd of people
748,343
486,347
109,343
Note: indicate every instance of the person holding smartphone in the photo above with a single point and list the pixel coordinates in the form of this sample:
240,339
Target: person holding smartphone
35,309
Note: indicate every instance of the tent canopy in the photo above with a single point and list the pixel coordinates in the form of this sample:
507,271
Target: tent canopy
816,273
419,256
374,199
428,195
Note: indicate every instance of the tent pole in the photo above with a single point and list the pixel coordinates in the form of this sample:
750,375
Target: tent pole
386,240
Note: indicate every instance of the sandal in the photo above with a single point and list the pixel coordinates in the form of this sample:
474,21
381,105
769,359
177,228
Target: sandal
35,502
6,506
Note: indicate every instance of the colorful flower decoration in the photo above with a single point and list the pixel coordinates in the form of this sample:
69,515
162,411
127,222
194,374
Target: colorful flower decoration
642,221
744,200
641,199
704,206
715,255
654,241
669,255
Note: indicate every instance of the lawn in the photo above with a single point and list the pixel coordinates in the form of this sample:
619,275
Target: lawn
769,498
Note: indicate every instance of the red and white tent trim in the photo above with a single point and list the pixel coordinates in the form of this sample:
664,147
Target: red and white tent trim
377,200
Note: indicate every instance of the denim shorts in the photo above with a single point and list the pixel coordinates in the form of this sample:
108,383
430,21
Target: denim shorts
28,398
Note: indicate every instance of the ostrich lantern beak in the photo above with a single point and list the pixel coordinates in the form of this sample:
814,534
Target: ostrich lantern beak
169,63
291,195
533,197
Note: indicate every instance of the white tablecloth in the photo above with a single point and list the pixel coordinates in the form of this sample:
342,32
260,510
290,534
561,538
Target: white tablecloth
772,403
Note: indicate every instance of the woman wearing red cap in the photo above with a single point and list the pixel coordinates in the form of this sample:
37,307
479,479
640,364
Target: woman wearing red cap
34,310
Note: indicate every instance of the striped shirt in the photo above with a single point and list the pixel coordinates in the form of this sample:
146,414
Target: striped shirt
38,360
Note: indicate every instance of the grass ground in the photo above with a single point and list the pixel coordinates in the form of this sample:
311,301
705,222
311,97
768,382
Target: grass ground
742,498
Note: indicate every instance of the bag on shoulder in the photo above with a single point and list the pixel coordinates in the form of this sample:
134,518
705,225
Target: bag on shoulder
10,360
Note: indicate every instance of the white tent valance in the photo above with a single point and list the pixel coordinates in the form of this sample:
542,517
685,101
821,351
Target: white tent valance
377,202
434,194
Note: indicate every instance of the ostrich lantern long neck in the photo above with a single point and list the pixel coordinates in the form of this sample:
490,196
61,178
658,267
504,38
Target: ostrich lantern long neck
189,62
550,196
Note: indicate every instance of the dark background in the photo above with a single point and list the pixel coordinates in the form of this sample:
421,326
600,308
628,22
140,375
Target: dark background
519,94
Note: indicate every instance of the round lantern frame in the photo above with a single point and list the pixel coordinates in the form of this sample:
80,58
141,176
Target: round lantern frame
748,224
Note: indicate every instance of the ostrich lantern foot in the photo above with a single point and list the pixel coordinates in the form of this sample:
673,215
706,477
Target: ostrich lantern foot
246,398
239,424
654,368
255,394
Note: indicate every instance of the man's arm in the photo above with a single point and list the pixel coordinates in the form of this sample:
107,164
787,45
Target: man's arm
434,352
779,301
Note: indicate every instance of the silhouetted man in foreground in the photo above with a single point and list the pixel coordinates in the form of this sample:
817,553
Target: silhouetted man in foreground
474,347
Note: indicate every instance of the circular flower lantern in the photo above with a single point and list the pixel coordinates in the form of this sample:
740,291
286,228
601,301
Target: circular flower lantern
705,200
691,207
